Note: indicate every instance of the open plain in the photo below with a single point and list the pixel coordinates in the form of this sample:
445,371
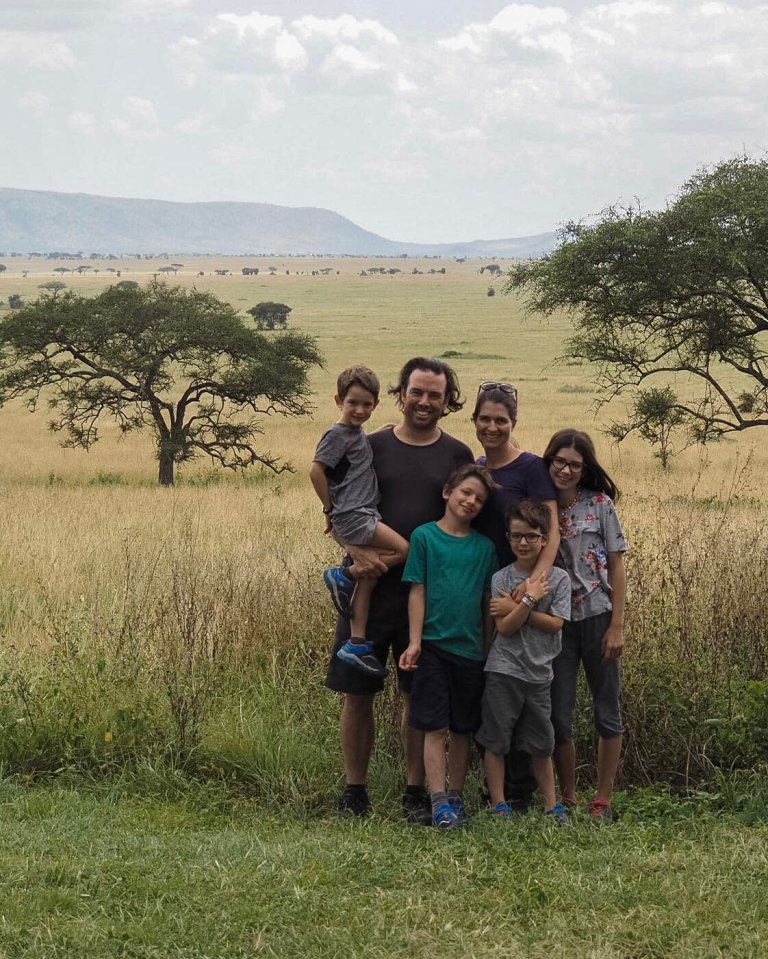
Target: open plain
168,646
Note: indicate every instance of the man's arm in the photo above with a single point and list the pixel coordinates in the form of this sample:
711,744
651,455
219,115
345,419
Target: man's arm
319,480
417,604
366,560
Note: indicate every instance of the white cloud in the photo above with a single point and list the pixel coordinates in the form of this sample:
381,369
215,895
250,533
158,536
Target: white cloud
82,122
151,8
141,120
518,20
516,23
231,154
346,28
321,54
347,60
254,43
35,102
43,50
190,125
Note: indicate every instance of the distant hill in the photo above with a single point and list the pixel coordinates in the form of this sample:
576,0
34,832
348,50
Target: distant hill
36,221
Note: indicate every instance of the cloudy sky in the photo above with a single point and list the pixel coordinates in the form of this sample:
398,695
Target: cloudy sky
436,120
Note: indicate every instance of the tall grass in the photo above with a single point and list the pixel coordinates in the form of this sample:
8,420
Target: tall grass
140,625
208,648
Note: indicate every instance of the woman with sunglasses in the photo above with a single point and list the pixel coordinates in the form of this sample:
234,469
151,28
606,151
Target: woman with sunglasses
519,475
592,548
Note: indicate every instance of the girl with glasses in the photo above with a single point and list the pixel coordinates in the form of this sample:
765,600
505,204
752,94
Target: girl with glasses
591,550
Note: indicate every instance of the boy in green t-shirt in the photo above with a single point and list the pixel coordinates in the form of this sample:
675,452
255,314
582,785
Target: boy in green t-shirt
449,567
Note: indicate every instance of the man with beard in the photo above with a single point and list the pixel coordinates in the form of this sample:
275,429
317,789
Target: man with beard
412,462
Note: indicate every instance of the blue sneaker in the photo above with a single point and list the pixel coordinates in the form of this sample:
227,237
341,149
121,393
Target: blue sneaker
501,811
341,588
559,814
360,655
443,817
457,806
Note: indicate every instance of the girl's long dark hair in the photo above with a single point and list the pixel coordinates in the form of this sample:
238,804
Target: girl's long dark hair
593,476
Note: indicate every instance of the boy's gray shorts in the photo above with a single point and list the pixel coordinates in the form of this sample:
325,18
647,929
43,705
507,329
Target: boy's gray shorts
511,704
356,526
583,643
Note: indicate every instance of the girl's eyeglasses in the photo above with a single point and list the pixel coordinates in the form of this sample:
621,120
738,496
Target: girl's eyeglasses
529,538
504,387
560,464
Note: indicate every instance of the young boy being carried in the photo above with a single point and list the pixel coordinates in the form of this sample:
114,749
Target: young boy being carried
449,567
519,666
343,477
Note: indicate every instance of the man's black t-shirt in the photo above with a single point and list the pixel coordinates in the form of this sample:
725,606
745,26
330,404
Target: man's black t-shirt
411,480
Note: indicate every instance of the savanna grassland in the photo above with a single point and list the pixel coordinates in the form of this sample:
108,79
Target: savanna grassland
171,758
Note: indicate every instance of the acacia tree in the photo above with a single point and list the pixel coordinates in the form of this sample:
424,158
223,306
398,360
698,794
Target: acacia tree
270,316
176,361
676,295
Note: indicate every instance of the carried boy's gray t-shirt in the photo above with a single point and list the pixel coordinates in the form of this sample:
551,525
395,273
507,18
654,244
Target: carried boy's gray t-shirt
528,654
347,457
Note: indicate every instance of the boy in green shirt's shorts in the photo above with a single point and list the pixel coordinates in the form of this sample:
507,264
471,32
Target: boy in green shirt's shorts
450,568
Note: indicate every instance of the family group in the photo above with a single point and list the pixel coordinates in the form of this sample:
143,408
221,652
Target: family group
488,580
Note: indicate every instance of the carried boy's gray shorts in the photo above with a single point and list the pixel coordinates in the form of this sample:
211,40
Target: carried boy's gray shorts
356,526
583,643
511,704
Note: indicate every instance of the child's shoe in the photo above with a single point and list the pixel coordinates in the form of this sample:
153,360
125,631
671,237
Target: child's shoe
341,588
457,805
443,817
360,655
417,806
501,811
353,802
558,814
601,812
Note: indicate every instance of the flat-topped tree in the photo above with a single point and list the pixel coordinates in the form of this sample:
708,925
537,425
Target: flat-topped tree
179,362
679,291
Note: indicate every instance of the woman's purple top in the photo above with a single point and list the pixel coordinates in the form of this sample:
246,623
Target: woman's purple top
526,477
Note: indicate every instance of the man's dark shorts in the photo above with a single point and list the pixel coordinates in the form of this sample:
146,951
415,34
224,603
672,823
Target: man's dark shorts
387,630
447,691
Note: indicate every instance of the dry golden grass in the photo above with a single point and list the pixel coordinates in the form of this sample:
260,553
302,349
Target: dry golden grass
66,532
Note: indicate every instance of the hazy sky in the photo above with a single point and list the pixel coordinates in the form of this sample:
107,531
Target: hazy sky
421,121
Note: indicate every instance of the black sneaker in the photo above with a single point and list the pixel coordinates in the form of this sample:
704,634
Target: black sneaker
353,802
417,808
520,806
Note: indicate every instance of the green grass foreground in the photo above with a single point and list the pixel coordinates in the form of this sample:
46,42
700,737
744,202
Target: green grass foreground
203,874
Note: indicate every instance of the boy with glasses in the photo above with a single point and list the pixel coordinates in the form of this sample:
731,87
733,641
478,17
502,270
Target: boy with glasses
519,666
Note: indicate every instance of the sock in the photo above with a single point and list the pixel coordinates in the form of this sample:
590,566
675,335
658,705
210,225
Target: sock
438,799
359,789
358,645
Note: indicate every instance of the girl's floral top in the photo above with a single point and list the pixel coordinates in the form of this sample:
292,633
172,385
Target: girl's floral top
589,530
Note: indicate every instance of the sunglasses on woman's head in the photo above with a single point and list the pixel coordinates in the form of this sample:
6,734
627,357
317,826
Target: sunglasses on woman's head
504,387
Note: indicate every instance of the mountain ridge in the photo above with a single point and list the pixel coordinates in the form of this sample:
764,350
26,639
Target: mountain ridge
43,221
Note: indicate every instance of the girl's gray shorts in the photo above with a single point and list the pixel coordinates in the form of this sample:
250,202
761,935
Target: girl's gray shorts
583,644
356,526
